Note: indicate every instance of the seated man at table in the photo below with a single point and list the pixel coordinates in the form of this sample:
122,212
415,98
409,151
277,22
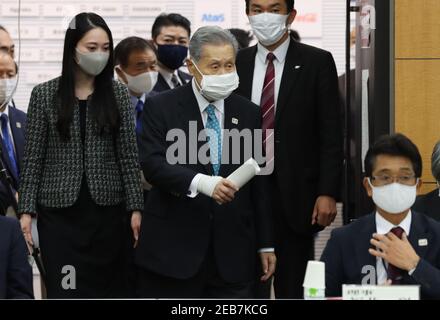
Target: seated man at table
393,245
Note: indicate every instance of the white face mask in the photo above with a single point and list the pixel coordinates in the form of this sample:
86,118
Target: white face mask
269,28
92,63
394,198
218,87
142,83
7,87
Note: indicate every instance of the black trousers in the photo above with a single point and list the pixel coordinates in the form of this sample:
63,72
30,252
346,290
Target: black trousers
207,283
293,251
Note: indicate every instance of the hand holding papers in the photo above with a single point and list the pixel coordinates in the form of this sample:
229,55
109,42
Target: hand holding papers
223,190
244,173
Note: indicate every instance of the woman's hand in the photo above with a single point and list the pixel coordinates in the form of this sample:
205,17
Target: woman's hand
136,219
26,228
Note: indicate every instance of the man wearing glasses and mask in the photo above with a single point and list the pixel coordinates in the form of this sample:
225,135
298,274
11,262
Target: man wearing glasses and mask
401,245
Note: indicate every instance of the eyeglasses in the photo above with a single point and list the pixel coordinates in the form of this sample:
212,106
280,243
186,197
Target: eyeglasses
383,180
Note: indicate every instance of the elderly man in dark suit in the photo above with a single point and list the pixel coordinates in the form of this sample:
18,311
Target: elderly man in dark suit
199,234
394,245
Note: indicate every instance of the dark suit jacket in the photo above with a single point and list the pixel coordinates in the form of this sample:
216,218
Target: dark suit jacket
429,204
15,270
308,129
347,253
177,230
53,169
162,85
17,120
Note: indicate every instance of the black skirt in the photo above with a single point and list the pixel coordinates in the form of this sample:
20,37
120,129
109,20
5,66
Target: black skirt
82,249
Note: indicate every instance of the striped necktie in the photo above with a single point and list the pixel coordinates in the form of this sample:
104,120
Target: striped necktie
268,107
395,274
175,81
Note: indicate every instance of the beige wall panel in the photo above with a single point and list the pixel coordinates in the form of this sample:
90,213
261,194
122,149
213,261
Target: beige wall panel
417,106
417,27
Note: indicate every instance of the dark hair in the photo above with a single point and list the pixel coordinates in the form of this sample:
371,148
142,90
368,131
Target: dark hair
290,5
396,145
243,37
168,20
3,29
129,45
104,107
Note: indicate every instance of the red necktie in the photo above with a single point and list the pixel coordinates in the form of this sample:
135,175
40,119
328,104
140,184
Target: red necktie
395,274
268,103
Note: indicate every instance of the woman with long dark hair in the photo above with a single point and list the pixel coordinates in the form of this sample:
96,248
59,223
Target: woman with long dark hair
80,172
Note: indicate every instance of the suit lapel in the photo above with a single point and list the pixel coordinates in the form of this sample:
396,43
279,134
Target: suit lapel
247,72
364,258
183,77
419,233
161,84
292,69
231,121
190,112
7,162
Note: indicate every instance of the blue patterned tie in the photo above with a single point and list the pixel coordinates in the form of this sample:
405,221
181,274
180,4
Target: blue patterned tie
8,143
139,109
214,138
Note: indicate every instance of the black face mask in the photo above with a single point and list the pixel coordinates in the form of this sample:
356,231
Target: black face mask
172,56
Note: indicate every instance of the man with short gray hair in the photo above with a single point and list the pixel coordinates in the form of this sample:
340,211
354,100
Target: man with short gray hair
200,234
429,203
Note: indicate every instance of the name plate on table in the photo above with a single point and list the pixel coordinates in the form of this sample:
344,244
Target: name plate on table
396,292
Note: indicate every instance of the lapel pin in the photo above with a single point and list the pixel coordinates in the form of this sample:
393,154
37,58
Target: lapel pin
234,120
423,242
297,67
18,125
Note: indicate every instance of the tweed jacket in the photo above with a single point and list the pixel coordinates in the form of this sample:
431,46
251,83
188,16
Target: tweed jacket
53,169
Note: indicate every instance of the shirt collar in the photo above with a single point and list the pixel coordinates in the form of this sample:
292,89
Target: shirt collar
6,111
168,75
203,103
280,52
134,99
383,226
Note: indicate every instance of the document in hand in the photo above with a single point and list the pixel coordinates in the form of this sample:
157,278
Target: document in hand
244,173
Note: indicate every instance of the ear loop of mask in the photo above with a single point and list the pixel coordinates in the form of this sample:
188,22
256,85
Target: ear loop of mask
200,72
8,99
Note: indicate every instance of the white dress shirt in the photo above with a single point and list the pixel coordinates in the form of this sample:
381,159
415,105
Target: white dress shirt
261,67
168,75
383,226
6,111
219,113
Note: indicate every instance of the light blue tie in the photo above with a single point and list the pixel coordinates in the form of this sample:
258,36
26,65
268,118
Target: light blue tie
214,133
8,143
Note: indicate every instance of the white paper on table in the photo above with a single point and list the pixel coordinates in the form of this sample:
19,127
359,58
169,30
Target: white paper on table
244,173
